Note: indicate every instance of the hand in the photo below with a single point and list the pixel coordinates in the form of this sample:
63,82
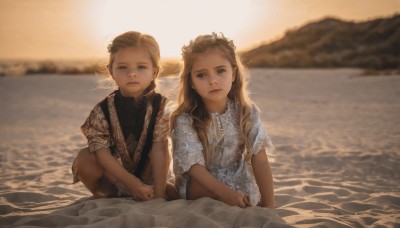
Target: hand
235,198
141,192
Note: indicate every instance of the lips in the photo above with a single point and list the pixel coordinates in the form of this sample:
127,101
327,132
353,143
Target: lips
215,90
132,83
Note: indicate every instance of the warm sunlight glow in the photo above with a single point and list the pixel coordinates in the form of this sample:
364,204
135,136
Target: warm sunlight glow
168,23
82,29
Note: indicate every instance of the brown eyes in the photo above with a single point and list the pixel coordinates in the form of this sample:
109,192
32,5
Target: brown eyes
219,71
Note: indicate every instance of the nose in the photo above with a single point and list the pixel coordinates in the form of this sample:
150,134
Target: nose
213,80
132,73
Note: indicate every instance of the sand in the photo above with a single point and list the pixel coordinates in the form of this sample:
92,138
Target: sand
337,159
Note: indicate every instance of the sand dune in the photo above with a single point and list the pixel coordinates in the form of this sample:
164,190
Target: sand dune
337,139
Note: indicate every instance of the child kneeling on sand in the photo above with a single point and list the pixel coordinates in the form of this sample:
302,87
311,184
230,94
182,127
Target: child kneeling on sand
219,141
127,132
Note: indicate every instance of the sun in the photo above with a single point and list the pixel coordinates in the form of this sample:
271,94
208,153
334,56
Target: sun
173,23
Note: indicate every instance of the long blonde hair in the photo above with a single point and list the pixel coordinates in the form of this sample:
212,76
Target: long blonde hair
190,102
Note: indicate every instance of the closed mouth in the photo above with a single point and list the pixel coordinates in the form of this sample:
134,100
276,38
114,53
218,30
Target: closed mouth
215,90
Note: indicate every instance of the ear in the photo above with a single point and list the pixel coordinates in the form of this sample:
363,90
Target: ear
156,71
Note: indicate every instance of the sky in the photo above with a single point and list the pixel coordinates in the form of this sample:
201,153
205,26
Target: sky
82,29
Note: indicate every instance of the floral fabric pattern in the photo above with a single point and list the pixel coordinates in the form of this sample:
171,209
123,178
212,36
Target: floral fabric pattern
96,129
227,162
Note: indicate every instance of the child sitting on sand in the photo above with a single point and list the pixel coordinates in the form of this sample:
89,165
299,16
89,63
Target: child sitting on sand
218,139
127,153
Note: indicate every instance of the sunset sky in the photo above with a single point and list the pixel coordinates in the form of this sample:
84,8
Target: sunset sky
81,29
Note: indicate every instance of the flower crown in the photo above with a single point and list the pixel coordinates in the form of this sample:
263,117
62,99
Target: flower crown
205,41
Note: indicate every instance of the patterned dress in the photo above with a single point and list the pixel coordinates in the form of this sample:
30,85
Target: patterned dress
227,162
127,151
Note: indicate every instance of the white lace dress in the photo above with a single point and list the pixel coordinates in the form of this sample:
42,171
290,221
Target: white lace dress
227,151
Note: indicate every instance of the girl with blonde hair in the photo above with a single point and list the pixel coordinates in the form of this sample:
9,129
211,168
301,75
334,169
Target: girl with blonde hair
127,132
219,144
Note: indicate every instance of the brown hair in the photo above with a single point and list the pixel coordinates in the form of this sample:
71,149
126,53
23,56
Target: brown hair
134,39
190,102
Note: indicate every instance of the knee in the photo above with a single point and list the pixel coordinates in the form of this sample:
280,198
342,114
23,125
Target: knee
86,159
84,156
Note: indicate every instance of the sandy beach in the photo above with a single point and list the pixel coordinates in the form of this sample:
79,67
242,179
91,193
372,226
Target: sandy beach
336,164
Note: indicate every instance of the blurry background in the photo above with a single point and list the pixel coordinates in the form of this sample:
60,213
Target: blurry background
60,33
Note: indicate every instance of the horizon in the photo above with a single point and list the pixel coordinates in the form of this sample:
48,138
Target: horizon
73,30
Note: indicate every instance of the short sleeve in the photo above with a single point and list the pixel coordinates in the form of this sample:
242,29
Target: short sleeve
96,130
161,129
259,139
187,146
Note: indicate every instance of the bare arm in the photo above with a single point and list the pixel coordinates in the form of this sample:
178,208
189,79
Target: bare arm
263,174
214,188
113,168
160,160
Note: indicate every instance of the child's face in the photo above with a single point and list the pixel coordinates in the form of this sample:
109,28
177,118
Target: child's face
133,71
212,77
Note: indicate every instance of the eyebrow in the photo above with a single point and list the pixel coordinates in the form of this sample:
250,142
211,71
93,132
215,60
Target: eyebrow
148,63
217,67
